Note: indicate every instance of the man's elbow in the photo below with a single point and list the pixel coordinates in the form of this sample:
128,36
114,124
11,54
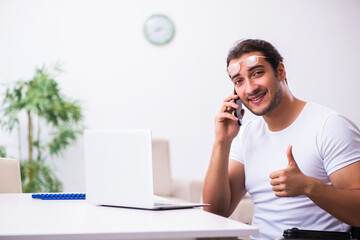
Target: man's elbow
221,211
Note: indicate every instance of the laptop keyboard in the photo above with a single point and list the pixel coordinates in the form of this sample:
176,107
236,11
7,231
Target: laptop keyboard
159,201
159,204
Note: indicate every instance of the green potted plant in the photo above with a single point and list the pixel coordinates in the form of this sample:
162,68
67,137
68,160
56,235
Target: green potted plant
47,110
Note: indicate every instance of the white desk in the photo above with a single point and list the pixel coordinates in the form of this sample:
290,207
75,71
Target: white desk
22,217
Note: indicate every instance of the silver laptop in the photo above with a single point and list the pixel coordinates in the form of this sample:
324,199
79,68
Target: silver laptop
119,172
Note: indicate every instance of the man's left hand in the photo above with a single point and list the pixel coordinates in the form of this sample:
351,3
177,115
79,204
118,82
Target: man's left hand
289,182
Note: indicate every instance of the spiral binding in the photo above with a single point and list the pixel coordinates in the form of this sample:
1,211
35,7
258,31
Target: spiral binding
60,196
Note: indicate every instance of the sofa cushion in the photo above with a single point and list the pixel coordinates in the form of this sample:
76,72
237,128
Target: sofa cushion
161,166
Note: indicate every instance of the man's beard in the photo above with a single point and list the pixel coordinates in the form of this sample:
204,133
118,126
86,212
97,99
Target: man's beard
274,102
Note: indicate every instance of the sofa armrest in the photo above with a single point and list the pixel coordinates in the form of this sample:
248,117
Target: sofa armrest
244,211
187,189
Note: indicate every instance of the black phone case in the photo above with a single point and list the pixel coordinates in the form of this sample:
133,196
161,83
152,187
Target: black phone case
296,233
237,112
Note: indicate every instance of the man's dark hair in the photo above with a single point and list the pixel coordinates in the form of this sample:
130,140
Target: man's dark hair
256,45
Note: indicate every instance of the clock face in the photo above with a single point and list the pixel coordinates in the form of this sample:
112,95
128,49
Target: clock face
159,29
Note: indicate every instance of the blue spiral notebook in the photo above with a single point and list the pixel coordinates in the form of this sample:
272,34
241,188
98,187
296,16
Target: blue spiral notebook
59,196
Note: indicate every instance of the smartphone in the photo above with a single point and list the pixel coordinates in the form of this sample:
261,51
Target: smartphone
296,233
237,112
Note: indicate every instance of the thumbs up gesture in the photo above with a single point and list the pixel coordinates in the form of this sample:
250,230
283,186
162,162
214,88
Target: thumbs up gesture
289,182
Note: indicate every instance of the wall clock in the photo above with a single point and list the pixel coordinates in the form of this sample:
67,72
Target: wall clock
159,29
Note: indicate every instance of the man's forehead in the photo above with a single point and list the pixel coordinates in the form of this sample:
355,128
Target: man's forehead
244,56
244,68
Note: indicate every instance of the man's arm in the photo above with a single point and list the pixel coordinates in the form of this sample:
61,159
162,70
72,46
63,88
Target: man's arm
341,199
224,184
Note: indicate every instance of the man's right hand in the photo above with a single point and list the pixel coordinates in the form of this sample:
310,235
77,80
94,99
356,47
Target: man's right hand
226,126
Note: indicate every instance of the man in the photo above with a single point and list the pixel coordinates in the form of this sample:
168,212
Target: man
300,162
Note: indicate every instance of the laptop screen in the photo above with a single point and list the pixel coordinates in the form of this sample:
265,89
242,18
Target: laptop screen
118,167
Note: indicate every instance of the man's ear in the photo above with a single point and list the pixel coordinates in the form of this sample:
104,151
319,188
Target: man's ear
281,71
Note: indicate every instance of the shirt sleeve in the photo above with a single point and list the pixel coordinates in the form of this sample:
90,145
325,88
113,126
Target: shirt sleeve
235,150
340,143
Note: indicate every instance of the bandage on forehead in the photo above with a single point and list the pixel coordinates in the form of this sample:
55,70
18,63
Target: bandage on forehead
248,62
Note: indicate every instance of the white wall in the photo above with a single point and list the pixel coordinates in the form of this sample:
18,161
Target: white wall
175,90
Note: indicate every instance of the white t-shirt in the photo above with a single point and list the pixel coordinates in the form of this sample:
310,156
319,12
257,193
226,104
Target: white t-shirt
323,142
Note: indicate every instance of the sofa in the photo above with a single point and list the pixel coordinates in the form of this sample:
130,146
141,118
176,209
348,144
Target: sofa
187,189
